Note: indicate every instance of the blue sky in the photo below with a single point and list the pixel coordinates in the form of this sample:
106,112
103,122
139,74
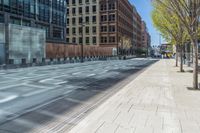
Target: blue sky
144,8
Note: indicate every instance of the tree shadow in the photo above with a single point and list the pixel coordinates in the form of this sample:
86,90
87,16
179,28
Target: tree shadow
192,89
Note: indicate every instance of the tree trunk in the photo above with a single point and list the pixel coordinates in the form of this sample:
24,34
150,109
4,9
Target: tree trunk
195,64
176,56
181,58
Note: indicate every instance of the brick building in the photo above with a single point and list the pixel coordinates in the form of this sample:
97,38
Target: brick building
107,23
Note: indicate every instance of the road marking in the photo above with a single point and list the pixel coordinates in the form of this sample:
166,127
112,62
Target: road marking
76,73
9,98
91,75
62,82
44,80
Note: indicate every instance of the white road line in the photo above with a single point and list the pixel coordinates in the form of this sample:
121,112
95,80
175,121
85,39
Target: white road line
76,73
44,80
62,82
93,74
8,98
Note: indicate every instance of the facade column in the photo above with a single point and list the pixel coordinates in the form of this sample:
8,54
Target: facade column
6,21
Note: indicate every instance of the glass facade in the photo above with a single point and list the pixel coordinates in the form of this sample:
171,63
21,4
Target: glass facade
45,14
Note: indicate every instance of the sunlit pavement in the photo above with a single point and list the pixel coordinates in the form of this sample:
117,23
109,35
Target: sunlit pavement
157,101
51,98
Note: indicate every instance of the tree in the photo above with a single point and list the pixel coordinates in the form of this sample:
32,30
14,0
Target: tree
188,12
171,28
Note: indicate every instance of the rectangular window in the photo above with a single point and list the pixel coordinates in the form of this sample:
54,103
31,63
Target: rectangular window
94,9
87,9
73,30
87,30
94,19
94,39
94,30
80,40
87,41
87,19
6,2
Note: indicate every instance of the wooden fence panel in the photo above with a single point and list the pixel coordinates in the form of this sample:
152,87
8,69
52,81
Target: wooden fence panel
65,50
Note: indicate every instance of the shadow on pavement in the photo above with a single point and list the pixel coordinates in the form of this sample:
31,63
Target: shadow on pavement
62,111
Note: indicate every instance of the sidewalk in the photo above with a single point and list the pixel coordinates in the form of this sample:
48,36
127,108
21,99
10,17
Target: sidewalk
157,101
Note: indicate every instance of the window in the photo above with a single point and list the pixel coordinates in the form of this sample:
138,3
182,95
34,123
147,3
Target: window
103,39
80,20
80,40
73,2
94,9
87,41
1,18
73,30
103,7
87,1
111,6
73,40
80,30
87,9
94,29
80,10
104,18
67,30
67,40
73,11
94,19
94,40
103,28
74,21
6,2
80,1
111,39
112,28
112,17
87,19
87,30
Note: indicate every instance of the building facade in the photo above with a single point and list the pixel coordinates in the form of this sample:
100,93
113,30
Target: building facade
83,22
107,23
134,27
146,38
44,14
116,24
138,30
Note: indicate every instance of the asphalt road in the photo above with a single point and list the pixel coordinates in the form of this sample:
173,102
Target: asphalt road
55,98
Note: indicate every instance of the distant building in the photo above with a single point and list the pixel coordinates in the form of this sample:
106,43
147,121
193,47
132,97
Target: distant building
138,30
145,36
83,22
107,23
116,23
137,34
